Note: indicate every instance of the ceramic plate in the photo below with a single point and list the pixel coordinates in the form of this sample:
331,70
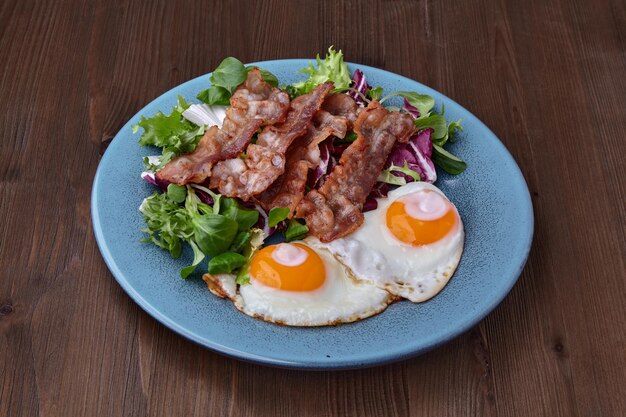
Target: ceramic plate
491,196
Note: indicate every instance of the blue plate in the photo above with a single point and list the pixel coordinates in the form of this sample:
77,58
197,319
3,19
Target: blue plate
491,195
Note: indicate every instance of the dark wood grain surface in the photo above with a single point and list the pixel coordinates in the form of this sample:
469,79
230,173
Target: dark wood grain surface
548,77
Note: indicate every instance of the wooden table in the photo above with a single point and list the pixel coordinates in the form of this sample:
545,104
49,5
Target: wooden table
549,77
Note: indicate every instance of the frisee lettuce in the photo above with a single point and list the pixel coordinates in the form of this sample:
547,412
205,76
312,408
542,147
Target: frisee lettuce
332,68
253,245
173,133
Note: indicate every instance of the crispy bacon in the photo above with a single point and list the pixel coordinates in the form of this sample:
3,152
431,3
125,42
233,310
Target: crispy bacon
288,189
334,210
254,104
341,105
264,161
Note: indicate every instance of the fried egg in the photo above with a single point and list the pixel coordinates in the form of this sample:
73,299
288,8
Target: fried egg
298,285
410,245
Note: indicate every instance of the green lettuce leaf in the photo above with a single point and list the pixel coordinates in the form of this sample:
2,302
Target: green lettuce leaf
214,233
435,122
453,130
277,215
176,193
332,68
198,257
447,161
173,133
245,217
295,230
229,74
423,102
254,244
241,240
267,76
388,177
215,96
226,262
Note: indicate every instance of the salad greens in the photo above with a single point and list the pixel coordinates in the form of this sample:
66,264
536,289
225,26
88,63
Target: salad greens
226,262
267,76
254,244
178,215
225,79
295,230
277,215
229,232
173,133
448,162
241,240
245,217
332,68
388,177
374,93
229,74
176,193
422,102
435,122
421,108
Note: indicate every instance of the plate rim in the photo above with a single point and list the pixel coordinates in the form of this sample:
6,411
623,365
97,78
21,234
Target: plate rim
373,358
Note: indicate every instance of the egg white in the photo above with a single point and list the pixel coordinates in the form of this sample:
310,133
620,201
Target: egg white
341,299
375,256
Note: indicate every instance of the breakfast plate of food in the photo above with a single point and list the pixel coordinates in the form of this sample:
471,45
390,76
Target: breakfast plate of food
312,215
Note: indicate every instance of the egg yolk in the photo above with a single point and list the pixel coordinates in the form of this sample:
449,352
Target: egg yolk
307,273
419,219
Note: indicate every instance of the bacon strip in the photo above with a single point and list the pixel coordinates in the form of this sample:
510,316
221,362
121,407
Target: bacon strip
264,161
254,104
334,210
304,154
341,105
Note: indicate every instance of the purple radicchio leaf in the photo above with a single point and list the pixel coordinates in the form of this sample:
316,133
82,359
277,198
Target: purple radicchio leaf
322,168
262,223
412,110
329,159
380,190
332,163
359,84
370,204
416,154
204,197
150,177
422,148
